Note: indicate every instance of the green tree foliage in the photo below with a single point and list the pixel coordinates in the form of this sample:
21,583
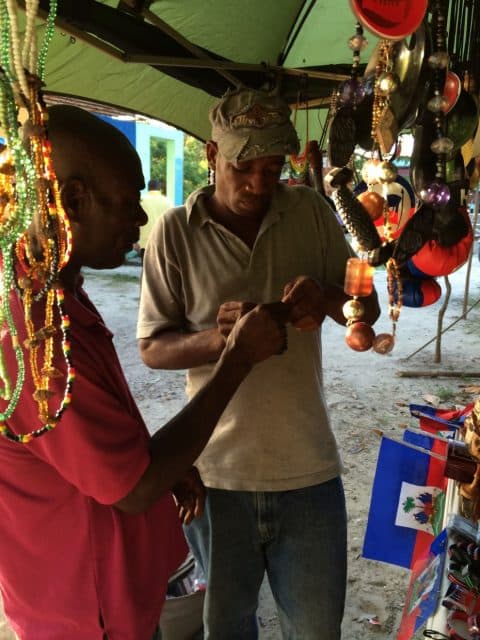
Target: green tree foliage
158,156
195,166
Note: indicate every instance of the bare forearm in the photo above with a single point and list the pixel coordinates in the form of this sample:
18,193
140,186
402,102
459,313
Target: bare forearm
176,446
178,350
256,336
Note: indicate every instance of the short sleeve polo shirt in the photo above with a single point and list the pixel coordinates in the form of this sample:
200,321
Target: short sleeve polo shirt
275,433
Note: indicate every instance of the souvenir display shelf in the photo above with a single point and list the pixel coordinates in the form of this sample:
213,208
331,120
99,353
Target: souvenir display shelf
438,622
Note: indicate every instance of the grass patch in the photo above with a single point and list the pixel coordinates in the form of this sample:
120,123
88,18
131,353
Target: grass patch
445,394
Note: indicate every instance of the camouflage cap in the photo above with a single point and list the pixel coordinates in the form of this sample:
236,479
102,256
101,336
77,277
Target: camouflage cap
248,124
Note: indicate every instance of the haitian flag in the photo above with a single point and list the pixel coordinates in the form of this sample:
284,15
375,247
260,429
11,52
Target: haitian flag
424,589
436,443
407,503
434,420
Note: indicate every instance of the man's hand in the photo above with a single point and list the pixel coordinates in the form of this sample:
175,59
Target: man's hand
307,300
229,313
260,333
189,494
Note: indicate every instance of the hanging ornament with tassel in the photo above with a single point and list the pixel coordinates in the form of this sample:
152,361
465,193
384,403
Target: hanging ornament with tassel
299,170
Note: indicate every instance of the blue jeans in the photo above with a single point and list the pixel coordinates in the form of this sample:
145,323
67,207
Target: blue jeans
298,537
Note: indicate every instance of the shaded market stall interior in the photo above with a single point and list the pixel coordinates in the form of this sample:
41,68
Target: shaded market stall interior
419,72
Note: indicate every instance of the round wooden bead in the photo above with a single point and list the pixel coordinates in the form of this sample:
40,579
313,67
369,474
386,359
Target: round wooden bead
383,343
359,336
353,310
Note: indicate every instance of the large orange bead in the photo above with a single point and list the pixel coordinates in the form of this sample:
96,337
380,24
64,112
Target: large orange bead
373,203
358,277
360,336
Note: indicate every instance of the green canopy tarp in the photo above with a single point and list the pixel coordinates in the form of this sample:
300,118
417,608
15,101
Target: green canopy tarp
168,59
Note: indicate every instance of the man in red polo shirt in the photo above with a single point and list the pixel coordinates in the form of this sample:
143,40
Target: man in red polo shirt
89,531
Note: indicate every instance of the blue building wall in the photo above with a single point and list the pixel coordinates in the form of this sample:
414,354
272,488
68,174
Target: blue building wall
174,140
127,127
139,134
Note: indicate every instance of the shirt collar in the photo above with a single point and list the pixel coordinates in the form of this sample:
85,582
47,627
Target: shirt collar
197,211
81,310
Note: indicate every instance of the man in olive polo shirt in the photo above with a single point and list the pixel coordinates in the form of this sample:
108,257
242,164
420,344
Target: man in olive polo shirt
275,500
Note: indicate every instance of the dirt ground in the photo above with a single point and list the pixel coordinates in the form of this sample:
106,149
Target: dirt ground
365,395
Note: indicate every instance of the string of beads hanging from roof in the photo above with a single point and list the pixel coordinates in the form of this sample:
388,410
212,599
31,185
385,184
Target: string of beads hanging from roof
30,205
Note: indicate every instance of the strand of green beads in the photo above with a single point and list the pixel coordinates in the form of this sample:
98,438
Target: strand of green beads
25,176
5,61
67,396
16,220
7,282
12,331
6,239
8,227
25,190
6,388
49,30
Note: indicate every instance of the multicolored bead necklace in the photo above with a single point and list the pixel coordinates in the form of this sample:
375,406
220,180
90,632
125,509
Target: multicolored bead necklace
30,198
298,163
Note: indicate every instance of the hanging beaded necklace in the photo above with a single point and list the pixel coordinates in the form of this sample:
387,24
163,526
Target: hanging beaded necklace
380,170
436,192
298,163
30,197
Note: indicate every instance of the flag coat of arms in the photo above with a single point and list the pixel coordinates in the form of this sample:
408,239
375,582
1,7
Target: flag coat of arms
421,508
424,589
409,480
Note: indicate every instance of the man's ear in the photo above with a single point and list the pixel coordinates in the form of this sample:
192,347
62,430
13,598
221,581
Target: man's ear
74,194
212,152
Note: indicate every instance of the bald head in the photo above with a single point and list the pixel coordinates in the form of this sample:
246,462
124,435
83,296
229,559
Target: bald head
86,147
100,176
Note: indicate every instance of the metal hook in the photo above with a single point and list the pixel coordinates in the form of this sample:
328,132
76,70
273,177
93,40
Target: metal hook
435,635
